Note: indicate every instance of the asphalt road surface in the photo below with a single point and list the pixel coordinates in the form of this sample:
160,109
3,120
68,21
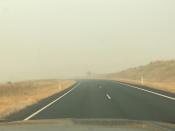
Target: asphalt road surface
104,99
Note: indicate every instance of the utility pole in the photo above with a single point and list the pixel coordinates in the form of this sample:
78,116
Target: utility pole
142,80
59,85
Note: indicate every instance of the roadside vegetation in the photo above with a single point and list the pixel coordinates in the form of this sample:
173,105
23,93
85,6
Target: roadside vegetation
159,75
19,95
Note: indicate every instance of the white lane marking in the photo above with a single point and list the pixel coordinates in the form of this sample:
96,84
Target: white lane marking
108,96
37,112
155,93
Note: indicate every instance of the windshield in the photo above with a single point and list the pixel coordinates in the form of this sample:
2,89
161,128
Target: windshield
87,59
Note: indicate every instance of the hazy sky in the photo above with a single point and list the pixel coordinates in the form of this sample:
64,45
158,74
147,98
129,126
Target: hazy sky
56,38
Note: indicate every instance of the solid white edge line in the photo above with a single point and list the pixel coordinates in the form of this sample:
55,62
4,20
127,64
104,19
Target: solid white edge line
108,96
155,93
48,105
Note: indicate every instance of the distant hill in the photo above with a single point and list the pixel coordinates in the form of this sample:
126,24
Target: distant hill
159,71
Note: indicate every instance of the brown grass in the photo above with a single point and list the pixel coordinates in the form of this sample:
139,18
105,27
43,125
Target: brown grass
159,71
164,86
159,75
17,96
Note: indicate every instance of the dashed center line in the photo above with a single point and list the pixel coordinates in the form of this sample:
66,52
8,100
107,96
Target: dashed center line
108,96
100,87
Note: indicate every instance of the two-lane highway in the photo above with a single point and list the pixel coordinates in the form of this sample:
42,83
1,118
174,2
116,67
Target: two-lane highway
108,99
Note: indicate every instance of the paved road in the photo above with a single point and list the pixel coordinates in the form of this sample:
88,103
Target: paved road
104,99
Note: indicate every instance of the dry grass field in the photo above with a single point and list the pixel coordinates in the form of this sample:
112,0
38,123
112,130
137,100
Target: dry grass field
158,74
17,96
168,87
